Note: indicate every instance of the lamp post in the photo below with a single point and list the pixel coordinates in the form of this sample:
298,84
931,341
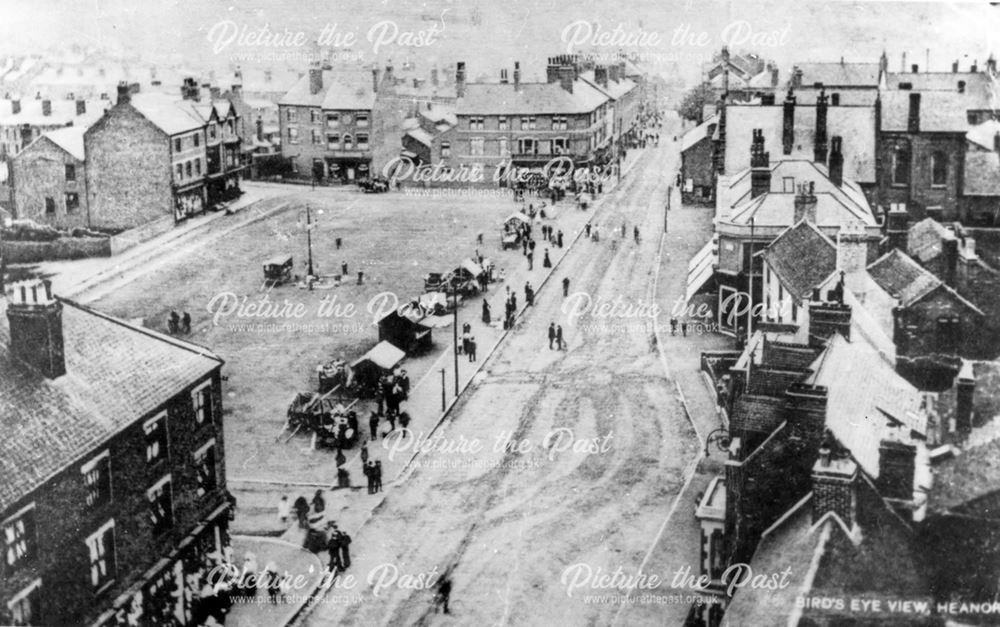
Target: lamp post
443,402
309,270
454,348
666,209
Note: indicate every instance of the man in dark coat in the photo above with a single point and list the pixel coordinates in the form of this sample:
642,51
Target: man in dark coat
552,334
531,261
559,239
373,425
472,350
559,337
565,287
333,548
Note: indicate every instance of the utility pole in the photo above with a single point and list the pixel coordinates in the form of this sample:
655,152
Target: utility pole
750,293
666,210
443,402
309,243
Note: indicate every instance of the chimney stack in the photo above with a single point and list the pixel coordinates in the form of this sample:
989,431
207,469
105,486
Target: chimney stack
46,107
965,390
601,75
796,78
15,106
915,68
896,467
913,117
552,71
215,93
805,203
897,227
902,69
36,334
517,76
566,77
315,80
774,77
819,141
834,488
460,79
788,124
375,79
961,87
954,67
852,249
760,165
124,94
81,107
836,167
975,67
503,76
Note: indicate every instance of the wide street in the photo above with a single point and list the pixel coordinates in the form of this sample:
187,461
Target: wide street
556,467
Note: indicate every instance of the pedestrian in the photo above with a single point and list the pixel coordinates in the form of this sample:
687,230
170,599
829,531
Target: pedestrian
559,239
373,425
364,453
345,549
673,326
318,502
343,478
565,286
343,268
404,417
531,258
502,276
684,328
524,244
173,323
404,384
597,234
587,227
472,349
284,509
530,296
552,334
390,415
333,548
623,230
273,582
513,301
479,239
444,594
302,512
378,475
527,292
559,337
546,262
635,233
367,469
531,246
510,320
186,323
465,342
486,312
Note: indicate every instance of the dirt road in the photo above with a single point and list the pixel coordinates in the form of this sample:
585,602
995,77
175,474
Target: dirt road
556,464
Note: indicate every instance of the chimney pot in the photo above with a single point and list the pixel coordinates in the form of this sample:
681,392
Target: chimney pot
46,107
460,79
15,106
81,107
35,319
315,80
965,390
517,76
913,119
915,68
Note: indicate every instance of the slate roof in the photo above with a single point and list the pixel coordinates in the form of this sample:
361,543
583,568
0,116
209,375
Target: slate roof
837,74
63,113
116,374
981,92
867,400
940,112
421,136
614,89
69,139
533,98
170,115
902,277
983,135
855,125
342,90
803,258
923,241
698,133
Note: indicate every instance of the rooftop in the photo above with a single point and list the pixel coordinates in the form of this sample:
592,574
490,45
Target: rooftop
904,279
532,98
116,374
348,90
839,74
940,112
69,139
168,113
802,258
856,125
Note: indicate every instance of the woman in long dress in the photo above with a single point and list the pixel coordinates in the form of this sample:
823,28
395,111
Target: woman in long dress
486,312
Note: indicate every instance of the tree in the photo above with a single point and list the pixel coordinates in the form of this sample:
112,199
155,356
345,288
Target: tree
695,100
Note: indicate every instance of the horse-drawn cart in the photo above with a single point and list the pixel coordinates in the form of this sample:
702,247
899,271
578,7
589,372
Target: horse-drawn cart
332,424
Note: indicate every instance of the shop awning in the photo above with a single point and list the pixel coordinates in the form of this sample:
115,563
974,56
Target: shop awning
701,268
435,322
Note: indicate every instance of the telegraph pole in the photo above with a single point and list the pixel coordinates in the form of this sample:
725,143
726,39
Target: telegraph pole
309,243
454,302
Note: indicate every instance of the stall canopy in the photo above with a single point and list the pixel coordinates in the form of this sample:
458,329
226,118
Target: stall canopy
517,217
384,355
472,267
701,268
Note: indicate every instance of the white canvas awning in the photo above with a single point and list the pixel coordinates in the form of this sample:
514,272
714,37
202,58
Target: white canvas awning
701,268
384,355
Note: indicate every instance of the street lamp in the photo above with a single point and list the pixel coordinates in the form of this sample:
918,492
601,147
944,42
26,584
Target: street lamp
309,226
454,348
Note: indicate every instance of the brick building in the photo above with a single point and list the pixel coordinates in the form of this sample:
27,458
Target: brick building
844,83
51,179
113,490
741,77
698,163
979,203
223,154
515,127
23,121
327,124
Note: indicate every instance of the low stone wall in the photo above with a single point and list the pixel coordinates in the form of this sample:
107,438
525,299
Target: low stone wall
127,239
62,248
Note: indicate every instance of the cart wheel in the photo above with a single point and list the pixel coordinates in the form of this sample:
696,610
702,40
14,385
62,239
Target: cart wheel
315,440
